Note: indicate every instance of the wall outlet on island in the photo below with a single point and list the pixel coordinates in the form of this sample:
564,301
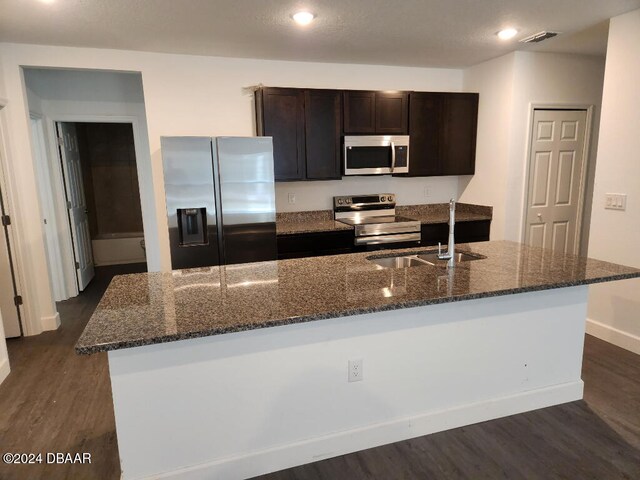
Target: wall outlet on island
356,371
292,198
427,192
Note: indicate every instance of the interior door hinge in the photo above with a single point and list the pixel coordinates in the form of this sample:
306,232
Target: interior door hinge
17,300
69,205
6,220
61,141
77,265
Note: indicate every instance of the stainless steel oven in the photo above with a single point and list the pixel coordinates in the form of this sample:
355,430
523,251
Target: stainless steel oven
376,154
374,220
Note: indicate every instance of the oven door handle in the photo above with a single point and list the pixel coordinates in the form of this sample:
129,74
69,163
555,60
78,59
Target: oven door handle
393,156
382,239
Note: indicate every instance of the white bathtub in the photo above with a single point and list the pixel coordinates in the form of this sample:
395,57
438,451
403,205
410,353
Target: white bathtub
118,248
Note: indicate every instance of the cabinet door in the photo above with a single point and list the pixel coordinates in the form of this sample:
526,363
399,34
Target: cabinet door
425,121
392,112
281,116
460,124
359,112
322,114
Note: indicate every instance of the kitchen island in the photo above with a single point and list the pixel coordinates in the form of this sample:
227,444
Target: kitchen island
230,372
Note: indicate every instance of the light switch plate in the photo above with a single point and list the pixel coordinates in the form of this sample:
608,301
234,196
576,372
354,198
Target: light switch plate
615,201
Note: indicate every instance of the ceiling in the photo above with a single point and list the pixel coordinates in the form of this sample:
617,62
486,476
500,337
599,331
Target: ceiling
437,33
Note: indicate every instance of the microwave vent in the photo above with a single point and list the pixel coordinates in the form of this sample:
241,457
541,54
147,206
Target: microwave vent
539,37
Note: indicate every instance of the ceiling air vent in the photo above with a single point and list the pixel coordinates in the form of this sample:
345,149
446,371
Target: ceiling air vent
539,37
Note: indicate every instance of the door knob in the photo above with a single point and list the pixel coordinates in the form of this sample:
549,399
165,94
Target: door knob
539,216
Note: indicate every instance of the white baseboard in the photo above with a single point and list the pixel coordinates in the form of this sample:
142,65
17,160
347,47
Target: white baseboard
340,443
51,322
620,338
4,369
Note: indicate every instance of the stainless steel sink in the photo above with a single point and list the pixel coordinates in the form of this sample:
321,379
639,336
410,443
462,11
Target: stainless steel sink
432,257
399,262
422,259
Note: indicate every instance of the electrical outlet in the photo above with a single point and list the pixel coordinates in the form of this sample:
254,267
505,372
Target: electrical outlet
427,192
292,198
615,201
356,371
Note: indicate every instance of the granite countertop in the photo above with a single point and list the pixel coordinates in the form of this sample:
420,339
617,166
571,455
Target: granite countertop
439,212
288,223
148,308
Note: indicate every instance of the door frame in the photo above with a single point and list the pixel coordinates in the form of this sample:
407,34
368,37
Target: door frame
47,186
26,313
59,195
583,177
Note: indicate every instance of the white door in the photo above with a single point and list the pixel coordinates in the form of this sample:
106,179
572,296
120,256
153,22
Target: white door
76,203
556,168
10,311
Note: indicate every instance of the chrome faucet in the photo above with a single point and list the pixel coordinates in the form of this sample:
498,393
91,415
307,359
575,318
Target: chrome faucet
451,247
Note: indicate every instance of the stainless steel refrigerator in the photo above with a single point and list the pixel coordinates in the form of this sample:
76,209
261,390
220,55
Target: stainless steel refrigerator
220,197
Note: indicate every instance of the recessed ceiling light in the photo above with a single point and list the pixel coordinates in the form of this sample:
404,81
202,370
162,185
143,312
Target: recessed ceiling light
303,18
507,33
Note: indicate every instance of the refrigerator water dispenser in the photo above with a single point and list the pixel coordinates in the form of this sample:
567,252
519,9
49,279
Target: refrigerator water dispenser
192,226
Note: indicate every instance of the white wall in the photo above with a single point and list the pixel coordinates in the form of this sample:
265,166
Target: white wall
409,191
508,87
494,80
614,307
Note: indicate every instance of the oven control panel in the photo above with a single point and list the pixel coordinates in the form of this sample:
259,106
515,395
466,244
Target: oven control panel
378,200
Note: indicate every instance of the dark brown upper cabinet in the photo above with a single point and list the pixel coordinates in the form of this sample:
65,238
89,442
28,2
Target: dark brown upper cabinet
442,127
280,114
305,125
425,119
460,124
323,122
368,112
359,112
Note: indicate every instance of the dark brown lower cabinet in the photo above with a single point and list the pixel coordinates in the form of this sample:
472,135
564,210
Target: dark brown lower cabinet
336,242
465,232
315,244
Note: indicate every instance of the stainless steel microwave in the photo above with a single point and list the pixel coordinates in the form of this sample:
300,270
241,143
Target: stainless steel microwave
376,154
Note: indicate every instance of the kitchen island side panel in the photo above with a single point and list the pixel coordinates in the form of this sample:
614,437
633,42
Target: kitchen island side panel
247,403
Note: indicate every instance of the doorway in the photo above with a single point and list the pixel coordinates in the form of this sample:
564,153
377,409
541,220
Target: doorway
101,191
556,179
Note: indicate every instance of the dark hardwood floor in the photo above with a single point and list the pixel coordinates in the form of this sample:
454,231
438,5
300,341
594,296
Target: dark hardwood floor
56,401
